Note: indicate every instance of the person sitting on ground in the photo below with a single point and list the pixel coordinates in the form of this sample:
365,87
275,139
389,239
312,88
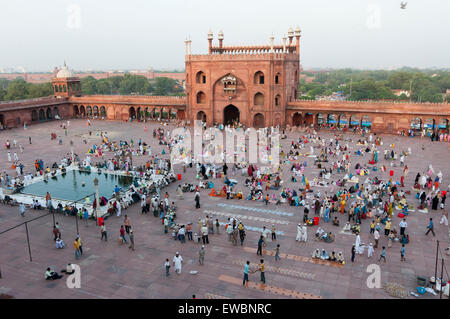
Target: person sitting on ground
347,226
319,232
324,255
333,256
59,242
335,221
340,258
51,274
69,269
329,237
356,228
316,253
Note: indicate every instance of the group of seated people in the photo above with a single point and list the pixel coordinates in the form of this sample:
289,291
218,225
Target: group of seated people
321,234
339,258
50,274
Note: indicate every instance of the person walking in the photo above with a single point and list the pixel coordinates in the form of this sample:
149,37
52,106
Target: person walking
127,224
376,236
22,210
55,233
403,224
76,248
277,252
131,240
103,232
402,253
122,235
260,243
201,255
177,262
261,269
383,254
370,250
246,270
444,217
204,232
242,236
80,244
274,235
217,226
430,227
167,266
353,253
197,200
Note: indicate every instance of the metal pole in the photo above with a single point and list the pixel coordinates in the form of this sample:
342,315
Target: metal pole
435,268
28,241
442,278
76,218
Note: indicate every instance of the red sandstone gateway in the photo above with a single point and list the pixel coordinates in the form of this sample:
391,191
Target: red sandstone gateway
255,85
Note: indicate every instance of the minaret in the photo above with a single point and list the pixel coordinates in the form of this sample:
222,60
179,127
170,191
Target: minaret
186,46
220,37
272,38
297,39
284,43
210,39
291,36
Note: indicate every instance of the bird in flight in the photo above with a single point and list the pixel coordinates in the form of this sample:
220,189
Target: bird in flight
403,5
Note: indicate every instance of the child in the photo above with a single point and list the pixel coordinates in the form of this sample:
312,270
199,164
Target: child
167,265
277,253
383,254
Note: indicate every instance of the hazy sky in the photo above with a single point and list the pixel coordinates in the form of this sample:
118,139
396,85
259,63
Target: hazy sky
138,34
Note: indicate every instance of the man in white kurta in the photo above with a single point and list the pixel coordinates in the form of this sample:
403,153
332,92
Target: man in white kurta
177,261
304,234
358,246
299,232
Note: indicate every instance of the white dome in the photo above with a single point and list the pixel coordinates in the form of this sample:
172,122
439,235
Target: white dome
65,73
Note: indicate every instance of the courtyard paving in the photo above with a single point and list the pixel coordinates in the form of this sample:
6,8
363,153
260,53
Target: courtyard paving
109,270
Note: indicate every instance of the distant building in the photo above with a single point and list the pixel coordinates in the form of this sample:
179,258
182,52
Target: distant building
400,92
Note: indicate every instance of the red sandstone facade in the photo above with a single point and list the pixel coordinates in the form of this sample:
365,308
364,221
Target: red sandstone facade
256,85
250,84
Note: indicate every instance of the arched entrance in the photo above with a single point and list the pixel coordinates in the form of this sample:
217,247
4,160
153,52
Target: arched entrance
354,121
365,121
132,113
34,116
331,120
258,121
96,111
342,120
82,110
201,116
75,110
41,115
180,115
56,111
297,119
2,119
230,114
443,125
320,120
416,124
103,111
309,119
49,114
89,111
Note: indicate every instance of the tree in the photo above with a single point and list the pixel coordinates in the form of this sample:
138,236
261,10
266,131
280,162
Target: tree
165,86
17,90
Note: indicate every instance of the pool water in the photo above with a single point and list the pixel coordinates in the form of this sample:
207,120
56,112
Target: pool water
76,185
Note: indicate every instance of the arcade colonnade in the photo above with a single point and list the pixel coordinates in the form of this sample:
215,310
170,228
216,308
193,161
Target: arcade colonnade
125,112
388,123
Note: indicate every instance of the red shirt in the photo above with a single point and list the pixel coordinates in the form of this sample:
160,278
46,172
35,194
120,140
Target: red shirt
122,232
